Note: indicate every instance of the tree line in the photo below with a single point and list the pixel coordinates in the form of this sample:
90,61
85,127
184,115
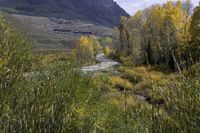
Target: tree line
167,34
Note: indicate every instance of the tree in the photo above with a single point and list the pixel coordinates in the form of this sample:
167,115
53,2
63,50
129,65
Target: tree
95,43
195,31
174,27
162,31
154,29
123,36
84,50
107,51
131,37
136,27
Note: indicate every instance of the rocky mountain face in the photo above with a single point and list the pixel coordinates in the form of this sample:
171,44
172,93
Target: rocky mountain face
106,12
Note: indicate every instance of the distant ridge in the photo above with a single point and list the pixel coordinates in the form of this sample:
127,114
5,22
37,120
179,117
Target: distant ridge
105,12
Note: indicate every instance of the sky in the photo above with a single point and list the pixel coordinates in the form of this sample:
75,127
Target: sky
131,6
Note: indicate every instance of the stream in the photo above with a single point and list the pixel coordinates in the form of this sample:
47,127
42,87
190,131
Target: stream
104,63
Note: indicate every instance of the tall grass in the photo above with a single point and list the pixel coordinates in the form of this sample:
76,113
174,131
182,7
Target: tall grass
49,98
55,97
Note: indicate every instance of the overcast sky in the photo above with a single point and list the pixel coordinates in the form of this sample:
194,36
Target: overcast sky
131,6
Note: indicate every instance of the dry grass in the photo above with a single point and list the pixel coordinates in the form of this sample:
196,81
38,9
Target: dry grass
146,75
140,80
118,82
118,99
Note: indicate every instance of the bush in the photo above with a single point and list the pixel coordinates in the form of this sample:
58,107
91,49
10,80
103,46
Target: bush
107,51
120,83
127,61
130,74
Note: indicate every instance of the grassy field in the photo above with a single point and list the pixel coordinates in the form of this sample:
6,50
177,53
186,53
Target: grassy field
44,40
140,83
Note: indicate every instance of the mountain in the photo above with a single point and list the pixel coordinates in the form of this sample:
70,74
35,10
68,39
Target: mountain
106,12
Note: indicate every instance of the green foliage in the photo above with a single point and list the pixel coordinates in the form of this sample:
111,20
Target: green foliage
56,99
195,31
174,108
53,95
107,51
15,54
51,98
126,61
120,83
132,75
86,49
107,41
181,105
160,36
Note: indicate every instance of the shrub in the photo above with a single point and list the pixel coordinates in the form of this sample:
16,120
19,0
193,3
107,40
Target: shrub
120,83
127,61
131,74
107,51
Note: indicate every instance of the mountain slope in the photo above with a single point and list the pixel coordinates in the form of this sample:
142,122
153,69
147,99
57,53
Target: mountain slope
106,12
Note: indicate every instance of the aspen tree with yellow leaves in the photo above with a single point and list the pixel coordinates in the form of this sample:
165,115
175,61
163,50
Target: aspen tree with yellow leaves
160,36
84,50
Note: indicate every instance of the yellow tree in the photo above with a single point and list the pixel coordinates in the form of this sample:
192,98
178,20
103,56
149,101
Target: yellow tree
95,43
181,26
155,48
84,50
174,32
97,48
107,51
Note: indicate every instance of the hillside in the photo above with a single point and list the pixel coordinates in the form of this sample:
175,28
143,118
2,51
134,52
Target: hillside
106,12
51,34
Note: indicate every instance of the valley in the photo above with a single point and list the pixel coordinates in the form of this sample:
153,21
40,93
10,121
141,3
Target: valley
55,34
86,66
